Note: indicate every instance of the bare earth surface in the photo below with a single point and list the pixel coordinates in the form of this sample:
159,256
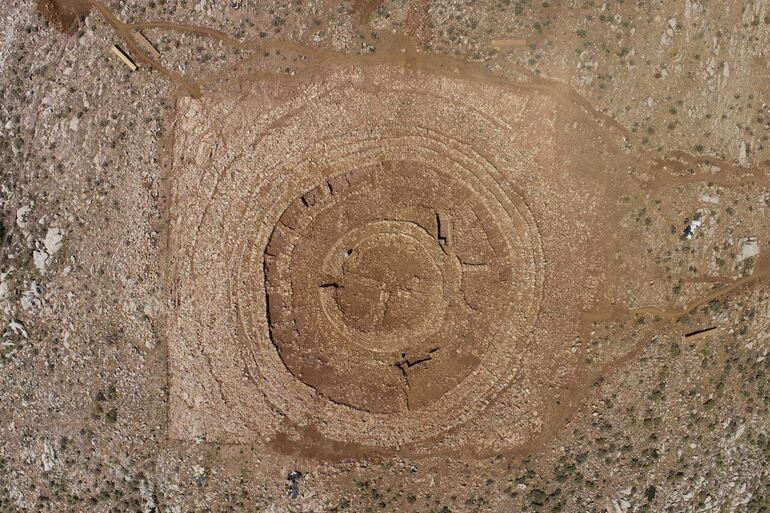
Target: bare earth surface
426,256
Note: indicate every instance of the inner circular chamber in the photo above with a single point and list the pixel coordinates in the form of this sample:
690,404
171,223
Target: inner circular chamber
385,284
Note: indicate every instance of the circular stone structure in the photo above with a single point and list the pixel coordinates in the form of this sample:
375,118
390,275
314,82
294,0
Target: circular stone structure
383,260
387,285
386,289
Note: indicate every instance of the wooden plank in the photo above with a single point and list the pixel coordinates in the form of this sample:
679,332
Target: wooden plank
698,334
508,43
145,43
124,57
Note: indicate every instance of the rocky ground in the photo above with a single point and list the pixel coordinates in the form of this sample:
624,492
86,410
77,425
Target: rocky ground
680,425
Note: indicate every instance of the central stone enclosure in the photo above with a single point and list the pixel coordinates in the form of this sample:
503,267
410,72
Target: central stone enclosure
387,285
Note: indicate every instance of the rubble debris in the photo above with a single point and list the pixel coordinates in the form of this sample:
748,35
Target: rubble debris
147,491
22,216
292,482
32,297
17,328
690,228
48,247
749,248
53,240
199,475
40,258
5,291
48,456
743,153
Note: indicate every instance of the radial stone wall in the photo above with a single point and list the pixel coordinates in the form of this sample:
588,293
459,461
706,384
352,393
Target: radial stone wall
379,259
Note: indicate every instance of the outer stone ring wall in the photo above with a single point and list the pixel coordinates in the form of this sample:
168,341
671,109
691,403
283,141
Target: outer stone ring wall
356,262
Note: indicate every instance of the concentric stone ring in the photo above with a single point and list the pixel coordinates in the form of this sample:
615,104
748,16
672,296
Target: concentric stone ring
383,260
387,284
